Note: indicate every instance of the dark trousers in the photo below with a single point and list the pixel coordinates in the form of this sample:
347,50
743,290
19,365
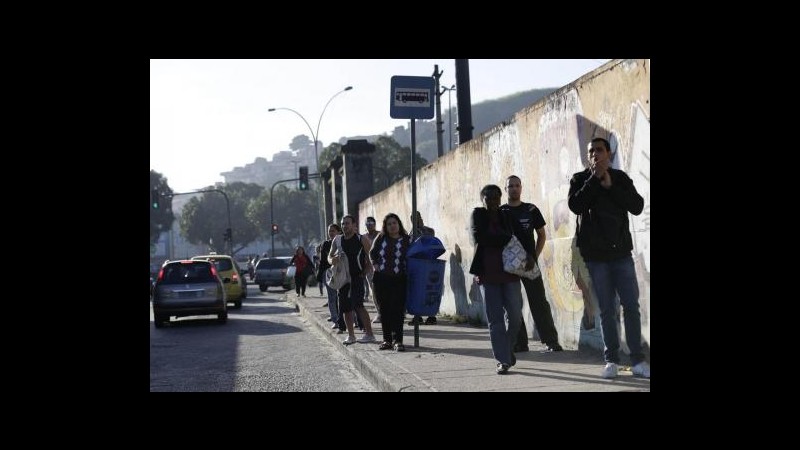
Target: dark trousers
390,293
300,282
540,310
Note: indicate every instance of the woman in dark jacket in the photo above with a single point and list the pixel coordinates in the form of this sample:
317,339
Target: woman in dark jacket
333,307
502,295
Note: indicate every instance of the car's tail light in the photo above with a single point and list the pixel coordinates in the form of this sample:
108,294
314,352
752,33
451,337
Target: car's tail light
160,274
213,270
235,277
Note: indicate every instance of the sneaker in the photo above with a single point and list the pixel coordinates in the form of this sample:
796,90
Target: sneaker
641,370
610,370
335,325
349,340
325,305
367,338
554,347
377,319
399,347
430,320
502,369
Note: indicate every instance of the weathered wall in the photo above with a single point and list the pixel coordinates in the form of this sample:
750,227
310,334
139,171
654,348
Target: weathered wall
544,144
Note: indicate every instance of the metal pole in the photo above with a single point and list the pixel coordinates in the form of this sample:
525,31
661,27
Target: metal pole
449,112
439,130
414,227
316,153
272,218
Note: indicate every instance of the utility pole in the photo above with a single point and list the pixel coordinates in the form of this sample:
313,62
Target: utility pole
439,130
463,101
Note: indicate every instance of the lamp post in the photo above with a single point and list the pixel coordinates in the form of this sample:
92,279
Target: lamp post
449,112
314,136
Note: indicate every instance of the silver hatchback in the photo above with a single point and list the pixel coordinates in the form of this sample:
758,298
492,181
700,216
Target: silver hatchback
188,288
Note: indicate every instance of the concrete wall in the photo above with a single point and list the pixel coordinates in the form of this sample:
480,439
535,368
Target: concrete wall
544,144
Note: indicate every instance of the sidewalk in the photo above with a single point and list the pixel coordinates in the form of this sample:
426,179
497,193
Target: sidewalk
458,357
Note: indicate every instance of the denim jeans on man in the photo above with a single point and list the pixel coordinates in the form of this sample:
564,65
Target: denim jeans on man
333,307
610,278
503,306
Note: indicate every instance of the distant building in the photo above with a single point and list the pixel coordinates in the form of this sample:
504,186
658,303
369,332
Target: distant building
284,166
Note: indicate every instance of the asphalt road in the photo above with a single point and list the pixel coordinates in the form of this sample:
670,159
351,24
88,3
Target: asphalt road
265,346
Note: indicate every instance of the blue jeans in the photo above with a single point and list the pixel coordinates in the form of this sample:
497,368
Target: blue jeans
503,307
333,306
609,279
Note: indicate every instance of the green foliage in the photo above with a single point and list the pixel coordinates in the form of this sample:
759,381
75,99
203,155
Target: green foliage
300,142
160,219
295,213
391,161
206,217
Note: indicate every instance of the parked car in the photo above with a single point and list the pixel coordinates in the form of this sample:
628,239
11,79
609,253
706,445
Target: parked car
188,288
275,272
232,279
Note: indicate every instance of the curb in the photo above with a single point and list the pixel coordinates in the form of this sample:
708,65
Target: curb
378,377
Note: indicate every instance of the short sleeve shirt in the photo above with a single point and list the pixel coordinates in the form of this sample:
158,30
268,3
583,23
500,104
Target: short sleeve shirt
528,215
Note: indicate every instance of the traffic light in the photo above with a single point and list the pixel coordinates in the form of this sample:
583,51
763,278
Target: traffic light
274,228
303,178
155,198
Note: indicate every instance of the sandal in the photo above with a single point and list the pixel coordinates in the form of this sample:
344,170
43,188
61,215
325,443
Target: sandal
399,347
385,345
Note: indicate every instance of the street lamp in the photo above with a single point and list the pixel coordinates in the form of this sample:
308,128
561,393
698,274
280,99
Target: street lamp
449,112
316,153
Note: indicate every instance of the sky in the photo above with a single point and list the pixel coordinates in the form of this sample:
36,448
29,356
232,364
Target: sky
210,116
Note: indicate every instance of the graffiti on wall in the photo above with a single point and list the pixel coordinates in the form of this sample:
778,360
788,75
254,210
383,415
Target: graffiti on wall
564,134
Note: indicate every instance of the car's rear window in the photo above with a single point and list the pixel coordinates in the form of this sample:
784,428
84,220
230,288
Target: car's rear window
182,273
223,264
272,264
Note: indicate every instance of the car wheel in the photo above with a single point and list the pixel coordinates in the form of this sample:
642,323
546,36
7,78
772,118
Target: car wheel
237,304
222,317
262,287
159,320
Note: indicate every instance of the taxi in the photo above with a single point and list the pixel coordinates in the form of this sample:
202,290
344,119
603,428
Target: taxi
232,279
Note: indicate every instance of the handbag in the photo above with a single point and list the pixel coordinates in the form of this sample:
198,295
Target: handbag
338,274
514,258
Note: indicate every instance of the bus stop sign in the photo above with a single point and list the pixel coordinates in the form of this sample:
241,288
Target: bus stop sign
412,97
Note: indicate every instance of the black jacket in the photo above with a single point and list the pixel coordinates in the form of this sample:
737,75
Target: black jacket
323,260
603,229
481,238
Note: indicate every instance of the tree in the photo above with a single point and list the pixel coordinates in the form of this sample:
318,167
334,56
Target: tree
390,159
160,219
295,213
300,142
205,218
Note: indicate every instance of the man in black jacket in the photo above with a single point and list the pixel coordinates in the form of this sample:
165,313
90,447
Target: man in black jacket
602,197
